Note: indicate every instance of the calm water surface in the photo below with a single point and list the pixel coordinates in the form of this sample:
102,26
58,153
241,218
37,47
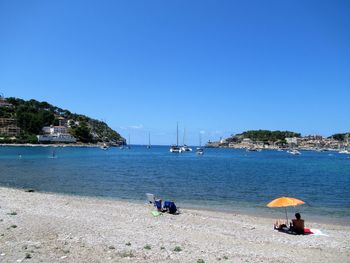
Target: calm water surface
221,179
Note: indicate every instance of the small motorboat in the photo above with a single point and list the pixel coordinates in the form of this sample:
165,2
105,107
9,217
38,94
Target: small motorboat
104,146
200,151
294,152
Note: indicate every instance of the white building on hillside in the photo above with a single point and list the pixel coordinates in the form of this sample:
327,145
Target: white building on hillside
54,129
292,140
56,134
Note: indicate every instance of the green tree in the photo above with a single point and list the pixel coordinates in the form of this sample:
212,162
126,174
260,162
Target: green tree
46,118
33,115
82,133
339,136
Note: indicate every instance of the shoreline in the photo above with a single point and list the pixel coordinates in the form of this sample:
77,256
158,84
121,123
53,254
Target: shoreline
64,228
244,211
48,145
98,145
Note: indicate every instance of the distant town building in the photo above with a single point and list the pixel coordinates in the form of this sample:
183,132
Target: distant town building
246,142
223,141
8,127
211,144
292,140
232,144
313,137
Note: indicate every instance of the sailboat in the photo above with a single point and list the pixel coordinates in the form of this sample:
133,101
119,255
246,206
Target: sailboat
176,148
200,150
129,145
149,141
184,147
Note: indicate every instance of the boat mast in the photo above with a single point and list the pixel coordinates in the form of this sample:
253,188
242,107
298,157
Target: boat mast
149,140
183,143
177,134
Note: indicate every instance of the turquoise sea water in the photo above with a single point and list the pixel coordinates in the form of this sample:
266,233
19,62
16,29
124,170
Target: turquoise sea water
221,179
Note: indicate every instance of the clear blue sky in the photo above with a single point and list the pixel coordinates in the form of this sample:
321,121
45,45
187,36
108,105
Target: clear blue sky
219,67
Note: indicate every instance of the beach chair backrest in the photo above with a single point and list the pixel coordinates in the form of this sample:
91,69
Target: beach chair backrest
150,198
170,206
158,204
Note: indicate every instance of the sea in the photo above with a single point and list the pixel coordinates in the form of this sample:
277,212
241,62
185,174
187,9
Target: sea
222,179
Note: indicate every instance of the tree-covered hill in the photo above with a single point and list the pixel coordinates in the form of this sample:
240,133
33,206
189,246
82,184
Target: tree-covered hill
340,136
32,115
264,136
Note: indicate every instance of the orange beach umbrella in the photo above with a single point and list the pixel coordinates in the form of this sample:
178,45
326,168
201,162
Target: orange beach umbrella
284,202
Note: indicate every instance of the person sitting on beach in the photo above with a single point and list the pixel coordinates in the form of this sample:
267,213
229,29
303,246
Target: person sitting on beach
297,224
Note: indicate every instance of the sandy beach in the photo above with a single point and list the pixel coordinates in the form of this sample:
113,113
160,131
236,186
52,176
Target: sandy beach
43,227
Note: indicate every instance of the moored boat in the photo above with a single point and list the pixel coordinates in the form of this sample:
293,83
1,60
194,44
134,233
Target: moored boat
200,151
251,149
149,141
294,152
176,148
104,146
186,148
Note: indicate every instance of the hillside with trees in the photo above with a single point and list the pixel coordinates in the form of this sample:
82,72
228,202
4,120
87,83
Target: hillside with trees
340,136
263,136
32,115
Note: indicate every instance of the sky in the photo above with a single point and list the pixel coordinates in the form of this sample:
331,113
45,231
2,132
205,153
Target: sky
215,67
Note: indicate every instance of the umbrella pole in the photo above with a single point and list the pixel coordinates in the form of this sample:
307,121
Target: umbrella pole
286,216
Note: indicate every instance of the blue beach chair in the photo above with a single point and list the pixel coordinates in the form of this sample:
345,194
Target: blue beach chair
158,204
170,207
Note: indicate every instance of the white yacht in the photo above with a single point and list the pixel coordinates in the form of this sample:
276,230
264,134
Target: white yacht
200,150
176,148
149,141
129,145
294,152
344,151
184,147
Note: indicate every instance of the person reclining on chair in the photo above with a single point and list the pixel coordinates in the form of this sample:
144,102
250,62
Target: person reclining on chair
297,224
